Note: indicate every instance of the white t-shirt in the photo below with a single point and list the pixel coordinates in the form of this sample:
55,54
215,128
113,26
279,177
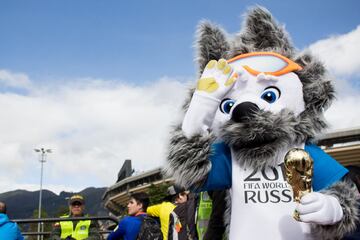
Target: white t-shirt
262,206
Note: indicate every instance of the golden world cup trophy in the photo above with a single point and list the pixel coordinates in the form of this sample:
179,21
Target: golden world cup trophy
299,172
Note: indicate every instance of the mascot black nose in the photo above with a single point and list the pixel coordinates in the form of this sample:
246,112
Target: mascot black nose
244,111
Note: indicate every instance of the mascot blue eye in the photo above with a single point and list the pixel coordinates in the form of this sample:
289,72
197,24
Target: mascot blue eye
226,105
271,94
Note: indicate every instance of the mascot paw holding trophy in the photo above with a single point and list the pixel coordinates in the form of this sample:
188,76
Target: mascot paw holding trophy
249,126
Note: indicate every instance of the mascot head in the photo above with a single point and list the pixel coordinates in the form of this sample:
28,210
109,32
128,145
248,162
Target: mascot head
280,95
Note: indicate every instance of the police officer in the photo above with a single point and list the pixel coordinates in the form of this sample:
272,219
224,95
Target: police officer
78,229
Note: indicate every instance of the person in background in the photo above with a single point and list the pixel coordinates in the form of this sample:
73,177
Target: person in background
129,226
175,195
8,229
183,218
78,229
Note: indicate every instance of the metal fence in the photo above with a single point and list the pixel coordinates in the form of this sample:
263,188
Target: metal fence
47,220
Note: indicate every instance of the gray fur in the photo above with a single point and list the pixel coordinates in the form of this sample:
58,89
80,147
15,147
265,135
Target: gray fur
189,158
211,44
261,32
262,137
346,192
227,214
317,88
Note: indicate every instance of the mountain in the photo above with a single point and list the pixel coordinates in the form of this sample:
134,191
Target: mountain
22,203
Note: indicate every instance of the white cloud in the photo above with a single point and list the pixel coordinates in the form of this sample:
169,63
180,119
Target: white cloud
92,127
10,79
341,55
344,113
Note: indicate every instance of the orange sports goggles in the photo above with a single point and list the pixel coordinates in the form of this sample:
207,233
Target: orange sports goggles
264,62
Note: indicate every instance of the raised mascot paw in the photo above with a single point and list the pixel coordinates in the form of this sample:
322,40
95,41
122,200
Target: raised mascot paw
217,79
319,208
215,82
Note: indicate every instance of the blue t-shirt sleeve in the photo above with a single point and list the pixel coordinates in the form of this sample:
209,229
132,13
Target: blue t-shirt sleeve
220,173
119,231
327,170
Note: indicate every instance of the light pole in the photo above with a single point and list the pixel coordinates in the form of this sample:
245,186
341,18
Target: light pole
42,159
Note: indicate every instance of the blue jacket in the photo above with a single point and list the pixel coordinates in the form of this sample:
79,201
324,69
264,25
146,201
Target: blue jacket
128,228
8,229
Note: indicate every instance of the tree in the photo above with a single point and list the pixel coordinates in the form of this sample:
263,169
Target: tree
157,192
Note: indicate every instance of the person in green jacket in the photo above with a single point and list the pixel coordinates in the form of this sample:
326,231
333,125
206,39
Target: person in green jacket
76,230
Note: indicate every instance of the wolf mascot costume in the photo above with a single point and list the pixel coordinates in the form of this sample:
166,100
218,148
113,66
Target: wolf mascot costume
257,98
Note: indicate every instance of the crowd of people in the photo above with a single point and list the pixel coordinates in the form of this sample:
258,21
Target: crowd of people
174,218
175,214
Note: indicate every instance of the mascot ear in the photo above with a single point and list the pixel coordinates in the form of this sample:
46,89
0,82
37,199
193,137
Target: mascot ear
317,87
211,44
261,32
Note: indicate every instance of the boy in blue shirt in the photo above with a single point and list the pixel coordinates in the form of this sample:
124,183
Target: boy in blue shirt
129,226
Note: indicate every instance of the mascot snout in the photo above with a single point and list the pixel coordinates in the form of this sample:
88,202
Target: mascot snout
244,111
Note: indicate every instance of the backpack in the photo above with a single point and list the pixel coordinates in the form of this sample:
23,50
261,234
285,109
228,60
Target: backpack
149,230
182,225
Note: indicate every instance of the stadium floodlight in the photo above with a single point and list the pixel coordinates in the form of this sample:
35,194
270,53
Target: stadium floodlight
42,160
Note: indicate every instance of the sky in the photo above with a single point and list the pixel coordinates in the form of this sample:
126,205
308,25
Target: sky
99,82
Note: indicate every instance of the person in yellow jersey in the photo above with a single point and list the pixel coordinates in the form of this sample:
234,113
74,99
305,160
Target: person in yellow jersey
175,195
78,229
